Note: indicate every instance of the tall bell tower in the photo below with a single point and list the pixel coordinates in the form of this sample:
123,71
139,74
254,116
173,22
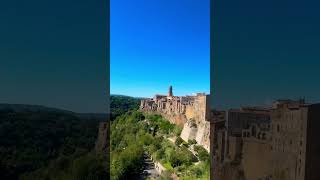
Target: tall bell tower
170,91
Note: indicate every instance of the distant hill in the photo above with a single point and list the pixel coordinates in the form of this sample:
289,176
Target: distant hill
23,108
96,116
30,108
120,95
120,104
32,137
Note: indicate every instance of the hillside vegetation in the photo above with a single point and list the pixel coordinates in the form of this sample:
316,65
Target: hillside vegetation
134,133
121,104
45,143
40,143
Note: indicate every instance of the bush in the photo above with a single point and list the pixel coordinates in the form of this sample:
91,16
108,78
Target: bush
185,144
192,141
87,167
31,139
202,153
126,163
119,105
178,141
186,156
177,131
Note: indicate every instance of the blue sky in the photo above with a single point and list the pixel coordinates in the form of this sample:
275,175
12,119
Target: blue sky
155,44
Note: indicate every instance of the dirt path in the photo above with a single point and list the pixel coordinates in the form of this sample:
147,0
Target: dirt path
149,168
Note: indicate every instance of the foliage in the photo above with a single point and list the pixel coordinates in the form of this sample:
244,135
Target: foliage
126,163
41,142
192,141
134,133
121,104
128,136
166,175
202,153
162,125
185,144
178,141
85,167
177,131
168,166
200,171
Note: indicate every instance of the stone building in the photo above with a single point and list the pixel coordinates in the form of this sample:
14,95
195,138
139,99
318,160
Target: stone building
295,141
189,112
279,143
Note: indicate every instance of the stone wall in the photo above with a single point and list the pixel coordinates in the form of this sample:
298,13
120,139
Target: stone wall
227,171
203,135
158,166
284,147
189,131
235,148
289,128
256,159
178,119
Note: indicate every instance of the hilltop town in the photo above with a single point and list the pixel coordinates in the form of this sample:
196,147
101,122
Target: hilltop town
189,112
278,142
153,138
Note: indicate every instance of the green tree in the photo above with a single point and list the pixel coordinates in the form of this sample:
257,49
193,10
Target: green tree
202,153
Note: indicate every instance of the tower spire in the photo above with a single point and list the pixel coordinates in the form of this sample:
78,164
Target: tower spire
170,91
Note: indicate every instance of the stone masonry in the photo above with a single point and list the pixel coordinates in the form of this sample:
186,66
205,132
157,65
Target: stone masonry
274,143
189,112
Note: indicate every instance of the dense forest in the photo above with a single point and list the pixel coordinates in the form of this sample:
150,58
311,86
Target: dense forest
45,143
120,104
40,143
134,133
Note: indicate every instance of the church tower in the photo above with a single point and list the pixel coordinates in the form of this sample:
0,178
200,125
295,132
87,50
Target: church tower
170,91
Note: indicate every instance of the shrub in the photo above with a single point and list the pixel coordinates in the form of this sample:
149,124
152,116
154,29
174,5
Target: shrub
192,141
202,153
178,141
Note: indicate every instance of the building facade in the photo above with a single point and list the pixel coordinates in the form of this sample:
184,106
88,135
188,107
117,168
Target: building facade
279,143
